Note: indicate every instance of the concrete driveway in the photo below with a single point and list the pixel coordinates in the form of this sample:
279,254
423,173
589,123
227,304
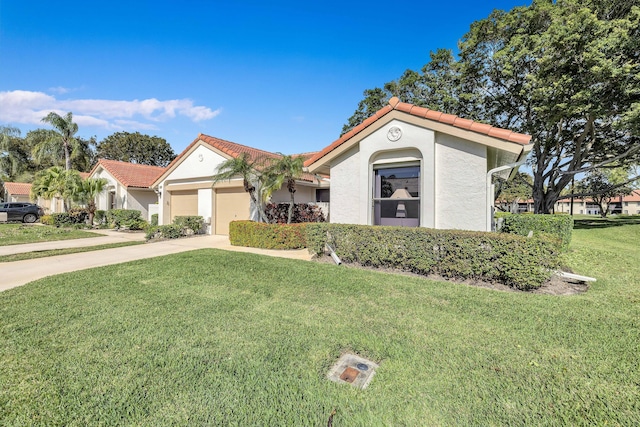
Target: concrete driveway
18,273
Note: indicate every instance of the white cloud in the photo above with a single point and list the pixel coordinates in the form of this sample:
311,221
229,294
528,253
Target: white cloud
59,89
28,107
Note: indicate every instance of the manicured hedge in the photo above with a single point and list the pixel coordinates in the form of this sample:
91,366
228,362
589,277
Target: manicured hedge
519,262
267,236
560,226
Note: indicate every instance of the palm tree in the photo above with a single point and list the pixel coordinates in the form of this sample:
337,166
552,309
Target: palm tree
241,166
12,158
87,193
65,130
285,169
56,182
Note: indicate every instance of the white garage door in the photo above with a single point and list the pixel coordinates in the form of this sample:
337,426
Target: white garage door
232,204
184,203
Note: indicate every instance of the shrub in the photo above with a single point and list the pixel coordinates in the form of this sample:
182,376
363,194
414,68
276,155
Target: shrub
277,213
267,236
126,218
193,223
47,220
513,260
68,219
559,226
154,220
170,231
100,217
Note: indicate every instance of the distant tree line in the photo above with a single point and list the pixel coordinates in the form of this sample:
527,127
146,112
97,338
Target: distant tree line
22,157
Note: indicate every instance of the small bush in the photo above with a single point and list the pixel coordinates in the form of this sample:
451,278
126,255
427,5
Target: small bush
277,213
100,217
47,220
170,231
68,219
509,259
126,218
559,226
193,223
267,236
154,220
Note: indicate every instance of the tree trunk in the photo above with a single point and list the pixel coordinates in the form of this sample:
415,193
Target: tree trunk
67,156
261,216
291,204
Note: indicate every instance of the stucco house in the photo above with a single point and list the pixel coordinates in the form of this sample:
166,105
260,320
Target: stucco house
128,186
186,186
16,192
628,204
411,166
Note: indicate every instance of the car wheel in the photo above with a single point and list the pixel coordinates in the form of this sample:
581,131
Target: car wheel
30,218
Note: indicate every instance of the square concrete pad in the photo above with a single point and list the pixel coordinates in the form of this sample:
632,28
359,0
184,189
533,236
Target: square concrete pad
354,370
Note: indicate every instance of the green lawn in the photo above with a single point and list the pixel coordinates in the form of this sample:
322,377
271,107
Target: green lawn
17,234
221,338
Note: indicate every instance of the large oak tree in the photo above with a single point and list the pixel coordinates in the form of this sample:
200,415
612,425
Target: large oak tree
136,148
565,72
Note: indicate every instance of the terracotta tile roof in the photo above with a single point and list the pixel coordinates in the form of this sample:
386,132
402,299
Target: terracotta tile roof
18,188
84,175
633,197
130,174
414,110
233,149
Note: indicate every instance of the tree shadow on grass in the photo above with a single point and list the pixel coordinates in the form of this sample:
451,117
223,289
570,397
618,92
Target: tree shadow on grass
597,223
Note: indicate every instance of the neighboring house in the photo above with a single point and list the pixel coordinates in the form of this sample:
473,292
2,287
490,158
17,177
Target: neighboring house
128,186
628,205
185,187
410,166
16,192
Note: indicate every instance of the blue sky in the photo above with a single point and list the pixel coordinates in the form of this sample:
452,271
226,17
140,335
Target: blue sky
280,76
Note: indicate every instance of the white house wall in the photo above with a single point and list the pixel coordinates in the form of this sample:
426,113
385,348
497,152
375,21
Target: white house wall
452,177
102,201
416,144
461,168
345,190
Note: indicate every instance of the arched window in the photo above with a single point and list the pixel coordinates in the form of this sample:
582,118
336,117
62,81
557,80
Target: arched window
396,195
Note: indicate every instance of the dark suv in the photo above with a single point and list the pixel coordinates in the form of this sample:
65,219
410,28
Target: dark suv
20,211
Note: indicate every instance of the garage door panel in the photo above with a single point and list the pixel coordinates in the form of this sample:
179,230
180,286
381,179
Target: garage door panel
232,204
184,203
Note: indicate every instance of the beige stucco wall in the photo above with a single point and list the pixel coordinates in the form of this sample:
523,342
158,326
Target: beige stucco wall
460,184
140,199
303,194
196,169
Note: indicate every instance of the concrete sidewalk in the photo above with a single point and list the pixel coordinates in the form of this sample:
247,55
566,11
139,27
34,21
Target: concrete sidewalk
104,237
18,273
